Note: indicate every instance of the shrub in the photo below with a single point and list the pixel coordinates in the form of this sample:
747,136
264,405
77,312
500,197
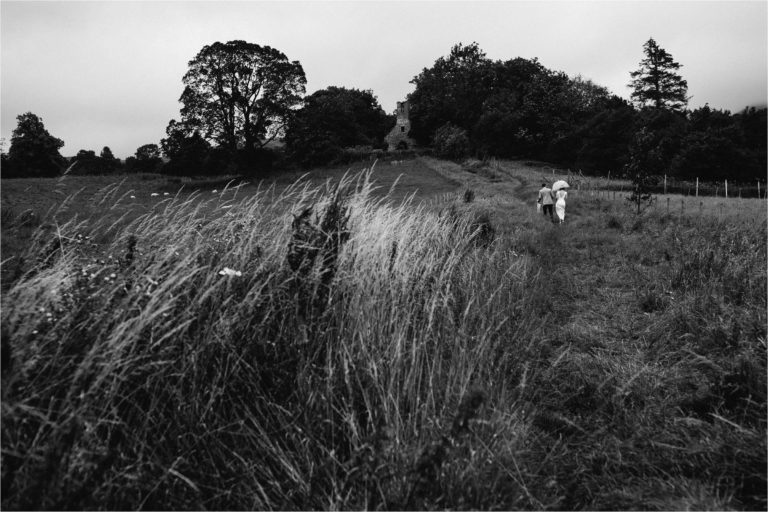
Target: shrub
452,142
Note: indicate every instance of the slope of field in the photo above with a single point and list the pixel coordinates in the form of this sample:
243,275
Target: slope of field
314,347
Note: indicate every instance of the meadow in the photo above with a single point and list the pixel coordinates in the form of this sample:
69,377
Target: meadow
410,336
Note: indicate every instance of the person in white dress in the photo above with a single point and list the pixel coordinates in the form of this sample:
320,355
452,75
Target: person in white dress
560,195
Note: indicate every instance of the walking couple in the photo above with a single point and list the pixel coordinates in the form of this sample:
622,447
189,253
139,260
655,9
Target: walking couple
549,198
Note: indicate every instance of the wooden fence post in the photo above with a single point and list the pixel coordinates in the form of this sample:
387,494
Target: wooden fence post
758,189
697,187
726,188
665,184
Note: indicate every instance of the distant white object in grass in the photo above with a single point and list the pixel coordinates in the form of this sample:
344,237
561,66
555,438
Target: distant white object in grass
226,206
226,271
214,191
133,197
154,194
166,193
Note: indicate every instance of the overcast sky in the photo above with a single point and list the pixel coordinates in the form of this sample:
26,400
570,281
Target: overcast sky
109,73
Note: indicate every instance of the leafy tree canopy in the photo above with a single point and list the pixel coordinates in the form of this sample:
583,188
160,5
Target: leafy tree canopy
88,162
239,94
148,152
33,151
451,91
106,154
189,153
507,108
146,159
333,119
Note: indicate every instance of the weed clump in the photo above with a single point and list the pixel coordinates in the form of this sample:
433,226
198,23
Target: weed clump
614,222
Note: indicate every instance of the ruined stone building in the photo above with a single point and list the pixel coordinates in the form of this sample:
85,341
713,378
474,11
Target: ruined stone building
398,138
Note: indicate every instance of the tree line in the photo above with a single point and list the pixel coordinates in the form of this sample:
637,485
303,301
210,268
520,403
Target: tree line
468,104
244,110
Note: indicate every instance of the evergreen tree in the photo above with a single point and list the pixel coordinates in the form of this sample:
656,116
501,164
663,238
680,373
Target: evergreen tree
657,83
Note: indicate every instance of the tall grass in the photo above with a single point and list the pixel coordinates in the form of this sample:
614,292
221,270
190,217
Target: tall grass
309,375
319,348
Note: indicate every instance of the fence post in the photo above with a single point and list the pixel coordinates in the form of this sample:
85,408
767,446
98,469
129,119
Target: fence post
697,187
758,189
726,188
665,184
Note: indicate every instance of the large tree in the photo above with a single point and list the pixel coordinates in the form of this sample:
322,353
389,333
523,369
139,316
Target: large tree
333,119
657,83
33,151
451,91
239,94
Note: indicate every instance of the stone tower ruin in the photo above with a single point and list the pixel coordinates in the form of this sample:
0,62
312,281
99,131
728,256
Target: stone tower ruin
398,136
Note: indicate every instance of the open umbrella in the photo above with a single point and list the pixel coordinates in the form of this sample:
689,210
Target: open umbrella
559,184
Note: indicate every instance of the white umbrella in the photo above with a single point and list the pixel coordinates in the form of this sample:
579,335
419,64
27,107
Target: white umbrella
559,184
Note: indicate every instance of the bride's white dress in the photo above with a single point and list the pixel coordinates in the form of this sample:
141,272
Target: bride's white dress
560,204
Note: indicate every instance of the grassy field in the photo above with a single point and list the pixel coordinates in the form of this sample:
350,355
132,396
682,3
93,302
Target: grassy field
349,344
36,208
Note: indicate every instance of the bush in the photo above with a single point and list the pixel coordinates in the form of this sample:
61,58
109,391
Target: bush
451,142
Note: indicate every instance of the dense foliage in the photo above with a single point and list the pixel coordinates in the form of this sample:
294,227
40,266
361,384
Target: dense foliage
188,153
146,159
240,94
333,119
451,142
34,152
87,162
519,108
